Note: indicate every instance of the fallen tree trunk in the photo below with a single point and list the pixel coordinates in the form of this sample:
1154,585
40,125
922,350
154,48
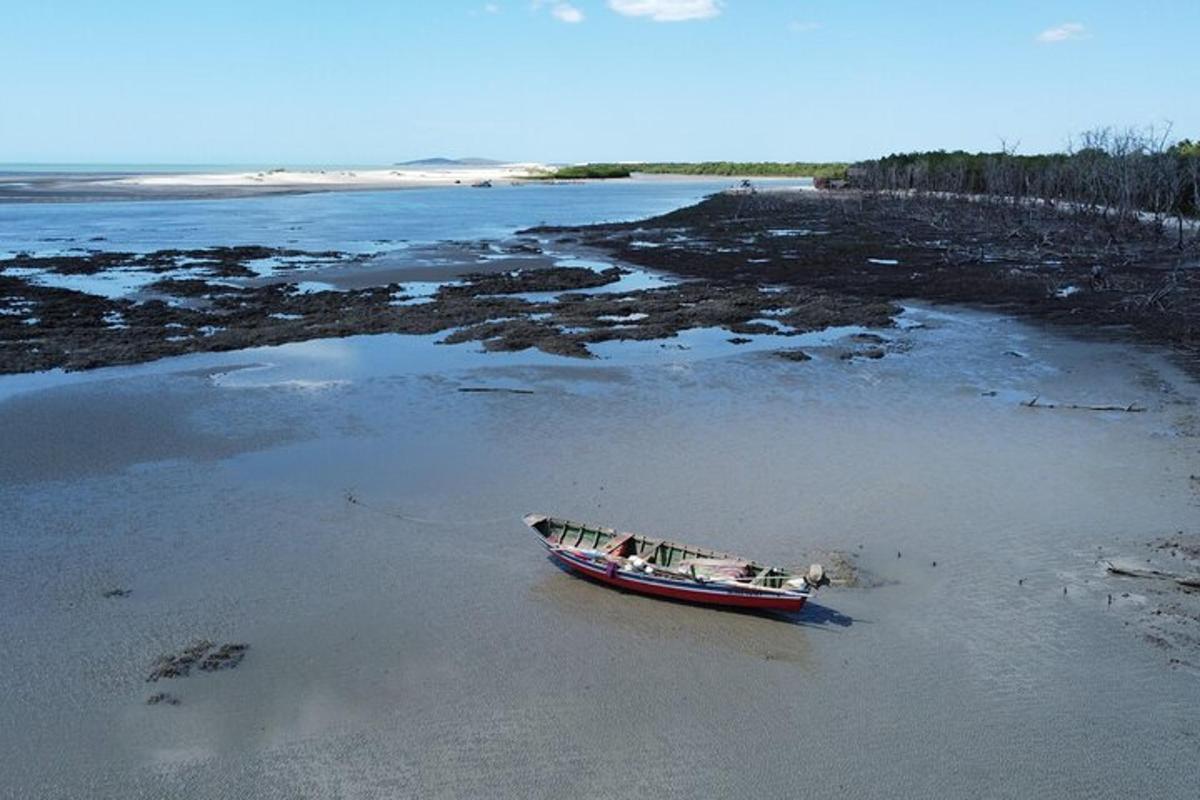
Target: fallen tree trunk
1132,408
1186,581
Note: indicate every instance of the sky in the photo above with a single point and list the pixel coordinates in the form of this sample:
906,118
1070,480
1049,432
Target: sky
379,81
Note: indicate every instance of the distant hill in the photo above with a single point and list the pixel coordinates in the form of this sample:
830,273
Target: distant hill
450,162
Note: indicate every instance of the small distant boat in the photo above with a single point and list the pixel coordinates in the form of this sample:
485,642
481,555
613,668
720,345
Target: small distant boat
666,569
484,184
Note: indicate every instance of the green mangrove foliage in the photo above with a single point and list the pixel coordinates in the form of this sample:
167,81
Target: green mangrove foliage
758,169
591,171
1111,172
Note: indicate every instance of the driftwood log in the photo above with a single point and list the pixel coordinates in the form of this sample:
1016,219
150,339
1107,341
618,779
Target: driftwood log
1131,408
1185,581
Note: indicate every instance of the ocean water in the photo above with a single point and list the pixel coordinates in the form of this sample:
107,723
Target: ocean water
355,221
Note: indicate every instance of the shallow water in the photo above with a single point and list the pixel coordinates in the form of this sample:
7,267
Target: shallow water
352,222
418,643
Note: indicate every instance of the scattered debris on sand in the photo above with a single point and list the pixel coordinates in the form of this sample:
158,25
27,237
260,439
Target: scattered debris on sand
162,698
227,656
1160,590
179,665
203,654
1182,580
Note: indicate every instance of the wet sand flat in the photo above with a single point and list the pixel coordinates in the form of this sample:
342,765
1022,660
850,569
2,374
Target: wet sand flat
416,642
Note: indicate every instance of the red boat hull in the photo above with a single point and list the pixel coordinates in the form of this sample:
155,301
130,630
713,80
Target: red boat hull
710,596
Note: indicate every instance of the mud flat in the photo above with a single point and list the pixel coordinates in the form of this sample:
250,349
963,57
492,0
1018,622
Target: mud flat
1157,589
82,310
311,463
772,263
415,641
1136,279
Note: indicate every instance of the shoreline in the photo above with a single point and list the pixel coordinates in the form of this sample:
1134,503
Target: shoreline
751,264
1034,261
507,296
48,187
31,187
334,457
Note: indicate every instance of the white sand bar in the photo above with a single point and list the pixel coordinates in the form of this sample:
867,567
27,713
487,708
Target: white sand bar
334,178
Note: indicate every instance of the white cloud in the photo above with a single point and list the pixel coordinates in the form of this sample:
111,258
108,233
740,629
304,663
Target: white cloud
667,10
559,9
565,12
1066,32
802,27
491,8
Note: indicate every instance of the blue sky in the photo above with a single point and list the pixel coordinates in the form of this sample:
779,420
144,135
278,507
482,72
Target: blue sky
369,81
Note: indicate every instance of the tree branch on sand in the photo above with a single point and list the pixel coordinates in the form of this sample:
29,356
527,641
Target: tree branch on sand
1132,408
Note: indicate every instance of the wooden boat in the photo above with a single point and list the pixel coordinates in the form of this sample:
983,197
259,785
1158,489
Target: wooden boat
666,569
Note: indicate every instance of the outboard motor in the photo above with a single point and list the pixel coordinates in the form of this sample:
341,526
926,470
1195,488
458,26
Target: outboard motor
816,577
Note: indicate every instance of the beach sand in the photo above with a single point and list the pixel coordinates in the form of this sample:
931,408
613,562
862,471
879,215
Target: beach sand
417,643
336,179
96,186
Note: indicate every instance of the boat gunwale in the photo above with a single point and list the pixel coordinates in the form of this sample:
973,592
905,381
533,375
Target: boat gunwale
782,574
724,588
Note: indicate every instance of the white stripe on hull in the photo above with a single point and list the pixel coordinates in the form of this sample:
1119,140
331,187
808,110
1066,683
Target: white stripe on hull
696,588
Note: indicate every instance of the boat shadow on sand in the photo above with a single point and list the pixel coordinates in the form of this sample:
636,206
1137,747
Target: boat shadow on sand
813,615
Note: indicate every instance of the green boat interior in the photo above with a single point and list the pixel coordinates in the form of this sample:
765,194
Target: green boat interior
671,558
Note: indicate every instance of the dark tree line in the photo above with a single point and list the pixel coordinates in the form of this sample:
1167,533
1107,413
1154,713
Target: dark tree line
1122,174
719,168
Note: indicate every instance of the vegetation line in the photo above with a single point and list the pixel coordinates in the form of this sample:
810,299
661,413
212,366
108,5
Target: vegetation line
1119,173
760,169
1125,173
